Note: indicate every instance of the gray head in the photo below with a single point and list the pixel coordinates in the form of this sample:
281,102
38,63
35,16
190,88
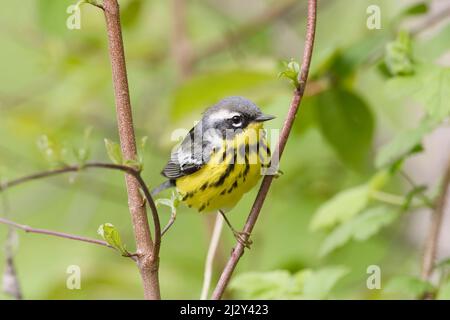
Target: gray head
233,113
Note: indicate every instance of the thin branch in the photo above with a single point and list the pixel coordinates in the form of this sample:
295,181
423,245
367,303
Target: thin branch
425,199
29,229
173,217
431,245
264,189
212,250
11,283
245,31
431,21
75,168
148,250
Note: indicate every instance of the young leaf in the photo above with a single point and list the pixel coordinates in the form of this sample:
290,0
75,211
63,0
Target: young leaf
114,152
359,228
291,71
408,285
347,123
110,234
319,283
341,207
172,203
398,56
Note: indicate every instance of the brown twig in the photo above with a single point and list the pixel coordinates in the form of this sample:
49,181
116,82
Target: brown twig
147,248
11,283
431,245
240,34
260,198
75,168
29,229
245,31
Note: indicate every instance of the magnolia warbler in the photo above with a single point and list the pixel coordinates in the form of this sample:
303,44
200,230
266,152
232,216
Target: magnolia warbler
222,157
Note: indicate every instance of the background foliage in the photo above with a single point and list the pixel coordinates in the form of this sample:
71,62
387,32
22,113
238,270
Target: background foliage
341,204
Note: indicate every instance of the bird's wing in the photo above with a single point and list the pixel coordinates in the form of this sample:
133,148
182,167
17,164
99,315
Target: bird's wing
187,158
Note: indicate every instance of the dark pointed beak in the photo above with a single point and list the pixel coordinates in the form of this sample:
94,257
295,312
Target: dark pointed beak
264,117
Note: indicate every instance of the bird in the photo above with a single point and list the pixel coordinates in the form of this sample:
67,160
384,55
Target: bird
221,158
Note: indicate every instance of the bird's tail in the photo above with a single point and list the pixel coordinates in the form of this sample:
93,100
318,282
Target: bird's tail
163,186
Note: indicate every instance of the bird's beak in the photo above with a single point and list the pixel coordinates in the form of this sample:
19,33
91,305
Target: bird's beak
264,117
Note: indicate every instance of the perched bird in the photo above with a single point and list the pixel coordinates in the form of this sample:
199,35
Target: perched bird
221,158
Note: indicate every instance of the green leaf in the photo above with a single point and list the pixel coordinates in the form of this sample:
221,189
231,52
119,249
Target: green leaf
359,228
416,9
408,285
206,89
347,124
398,55
319,283
430,85
280,284
277,284
291,71
341,207
172,203
114,152
444,292
110,234
404,144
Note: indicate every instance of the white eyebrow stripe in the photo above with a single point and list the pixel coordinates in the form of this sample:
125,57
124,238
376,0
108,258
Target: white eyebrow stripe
223,114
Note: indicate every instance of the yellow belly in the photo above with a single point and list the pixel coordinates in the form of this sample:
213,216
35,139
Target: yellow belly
222,182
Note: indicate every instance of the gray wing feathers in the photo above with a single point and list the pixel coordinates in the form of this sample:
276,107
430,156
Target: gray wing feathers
187,158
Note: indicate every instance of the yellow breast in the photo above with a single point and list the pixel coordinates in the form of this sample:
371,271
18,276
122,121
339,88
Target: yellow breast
232,171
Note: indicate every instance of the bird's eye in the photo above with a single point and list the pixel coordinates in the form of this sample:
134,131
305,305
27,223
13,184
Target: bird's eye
237,121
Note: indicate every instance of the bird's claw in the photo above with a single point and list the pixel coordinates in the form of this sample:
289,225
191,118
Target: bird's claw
243,238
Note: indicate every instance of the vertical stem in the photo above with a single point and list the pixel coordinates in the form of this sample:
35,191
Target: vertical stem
267,181
212,251
147,261
431,245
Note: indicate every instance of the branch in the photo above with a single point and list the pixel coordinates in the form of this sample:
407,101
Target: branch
264,189
212,250
431,245
11,283
148,258
75,168
245,31
29,229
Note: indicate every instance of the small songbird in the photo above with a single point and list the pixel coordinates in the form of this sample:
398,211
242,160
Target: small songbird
221,158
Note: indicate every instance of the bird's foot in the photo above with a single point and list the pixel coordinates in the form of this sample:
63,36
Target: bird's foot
243,238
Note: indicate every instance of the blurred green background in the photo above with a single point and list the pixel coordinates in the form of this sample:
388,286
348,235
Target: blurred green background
57,82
